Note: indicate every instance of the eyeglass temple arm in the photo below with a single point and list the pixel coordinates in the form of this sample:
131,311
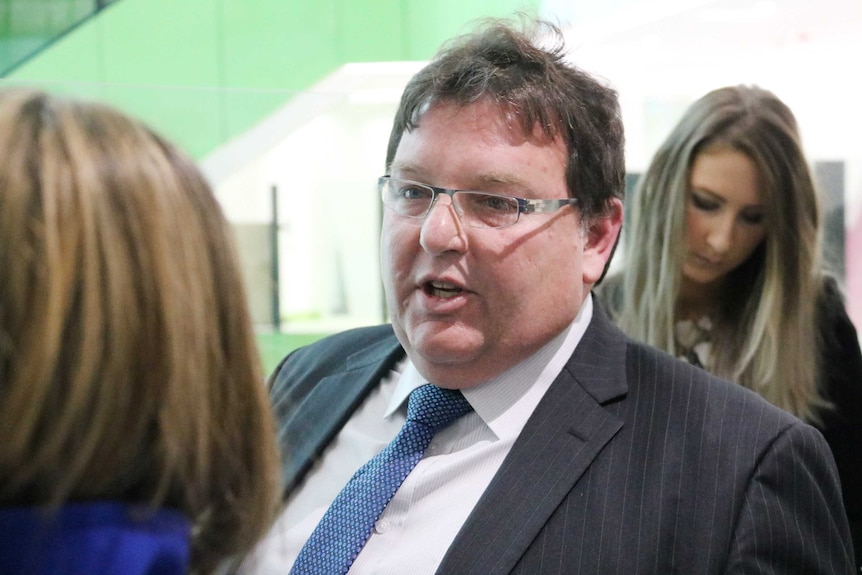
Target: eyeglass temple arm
540,206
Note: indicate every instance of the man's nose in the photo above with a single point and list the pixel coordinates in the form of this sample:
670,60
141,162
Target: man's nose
442,229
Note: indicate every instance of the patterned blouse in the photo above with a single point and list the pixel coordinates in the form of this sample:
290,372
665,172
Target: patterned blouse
693,342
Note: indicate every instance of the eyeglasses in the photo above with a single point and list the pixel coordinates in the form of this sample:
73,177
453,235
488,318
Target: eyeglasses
476,209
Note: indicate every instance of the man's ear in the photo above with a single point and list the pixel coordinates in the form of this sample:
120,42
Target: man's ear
600,242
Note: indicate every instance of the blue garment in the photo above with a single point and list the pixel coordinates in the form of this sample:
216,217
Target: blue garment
97,538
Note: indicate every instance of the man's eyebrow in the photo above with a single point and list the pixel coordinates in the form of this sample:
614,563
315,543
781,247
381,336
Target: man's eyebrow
477,182
511,184
404,168
498,179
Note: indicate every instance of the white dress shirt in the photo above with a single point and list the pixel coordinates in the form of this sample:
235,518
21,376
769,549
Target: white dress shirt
420,522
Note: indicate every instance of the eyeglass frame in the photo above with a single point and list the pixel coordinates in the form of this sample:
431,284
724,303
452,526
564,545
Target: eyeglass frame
525,205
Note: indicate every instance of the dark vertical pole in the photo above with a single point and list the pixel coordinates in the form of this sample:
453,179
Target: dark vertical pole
273,269
384,307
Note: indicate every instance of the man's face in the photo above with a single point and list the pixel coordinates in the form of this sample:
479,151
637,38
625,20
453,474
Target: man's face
468,303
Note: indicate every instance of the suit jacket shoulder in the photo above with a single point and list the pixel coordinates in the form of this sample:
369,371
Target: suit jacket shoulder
329,355
636,462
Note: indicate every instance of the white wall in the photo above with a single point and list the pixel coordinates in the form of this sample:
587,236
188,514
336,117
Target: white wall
325,150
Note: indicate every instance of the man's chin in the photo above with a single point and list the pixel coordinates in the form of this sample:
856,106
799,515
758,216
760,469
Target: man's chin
447,348
451,353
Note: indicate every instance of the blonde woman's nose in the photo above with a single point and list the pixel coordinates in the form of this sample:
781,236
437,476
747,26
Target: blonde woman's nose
720,236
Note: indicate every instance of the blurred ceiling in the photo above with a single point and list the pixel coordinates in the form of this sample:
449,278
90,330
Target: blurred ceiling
694,24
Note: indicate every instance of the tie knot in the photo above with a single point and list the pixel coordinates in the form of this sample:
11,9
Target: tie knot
436,407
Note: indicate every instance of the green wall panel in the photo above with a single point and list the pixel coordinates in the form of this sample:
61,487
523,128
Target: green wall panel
166,69
372,31
204,71
273,49
74,58
433,23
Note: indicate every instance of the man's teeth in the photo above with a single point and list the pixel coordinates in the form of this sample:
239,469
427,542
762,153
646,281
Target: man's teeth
443,289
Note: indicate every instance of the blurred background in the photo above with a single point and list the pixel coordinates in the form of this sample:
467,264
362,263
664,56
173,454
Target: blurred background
287,106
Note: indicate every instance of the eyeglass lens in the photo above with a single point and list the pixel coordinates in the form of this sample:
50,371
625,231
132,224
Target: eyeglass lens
476,209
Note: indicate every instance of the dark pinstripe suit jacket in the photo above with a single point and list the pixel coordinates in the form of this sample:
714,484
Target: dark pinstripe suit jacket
632,463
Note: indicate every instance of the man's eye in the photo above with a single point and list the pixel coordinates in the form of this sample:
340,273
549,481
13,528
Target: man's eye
414,193
498,203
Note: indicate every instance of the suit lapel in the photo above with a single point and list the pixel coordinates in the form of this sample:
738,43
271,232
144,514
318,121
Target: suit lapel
568,429
318,417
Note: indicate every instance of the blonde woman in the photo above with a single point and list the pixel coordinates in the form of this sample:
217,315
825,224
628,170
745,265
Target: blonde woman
723,268
136,432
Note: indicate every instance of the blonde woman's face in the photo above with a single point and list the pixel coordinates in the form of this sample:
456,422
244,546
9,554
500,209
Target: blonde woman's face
725,215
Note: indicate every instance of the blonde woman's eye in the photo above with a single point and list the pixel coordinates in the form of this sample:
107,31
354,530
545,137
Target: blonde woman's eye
703,203
753,219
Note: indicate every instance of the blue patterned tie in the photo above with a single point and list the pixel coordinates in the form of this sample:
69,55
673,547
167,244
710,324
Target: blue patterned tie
349,521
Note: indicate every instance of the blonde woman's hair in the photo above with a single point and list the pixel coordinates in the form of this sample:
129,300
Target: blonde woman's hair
128,367
766,334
